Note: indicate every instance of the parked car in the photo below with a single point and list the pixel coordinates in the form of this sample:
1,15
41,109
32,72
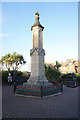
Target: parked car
71,80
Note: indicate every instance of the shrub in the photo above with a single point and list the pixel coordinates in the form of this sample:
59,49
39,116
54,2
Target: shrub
26,74
4,74
19,73
52,75
4,77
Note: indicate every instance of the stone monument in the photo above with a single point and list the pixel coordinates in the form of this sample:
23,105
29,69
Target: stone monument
37,54
37,84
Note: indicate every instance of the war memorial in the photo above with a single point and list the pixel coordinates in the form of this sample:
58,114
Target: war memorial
37,85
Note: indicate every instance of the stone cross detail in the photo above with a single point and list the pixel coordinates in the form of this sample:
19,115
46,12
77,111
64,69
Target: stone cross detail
37,17
36,13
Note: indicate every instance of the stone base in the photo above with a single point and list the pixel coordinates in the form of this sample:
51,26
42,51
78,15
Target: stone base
37,86
38,80
37,90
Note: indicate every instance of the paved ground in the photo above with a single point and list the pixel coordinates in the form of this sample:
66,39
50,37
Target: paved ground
60,106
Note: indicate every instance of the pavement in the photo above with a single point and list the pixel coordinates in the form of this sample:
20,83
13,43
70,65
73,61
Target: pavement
59,106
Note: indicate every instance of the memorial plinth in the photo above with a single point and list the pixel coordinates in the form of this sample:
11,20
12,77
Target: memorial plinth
37,84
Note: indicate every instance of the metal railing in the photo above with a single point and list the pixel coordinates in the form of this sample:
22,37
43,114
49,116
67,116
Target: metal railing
38,91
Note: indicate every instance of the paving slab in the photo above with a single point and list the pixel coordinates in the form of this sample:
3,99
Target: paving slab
60,106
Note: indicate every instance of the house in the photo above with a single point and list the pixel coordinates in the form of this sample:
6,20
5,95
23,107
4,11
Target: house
70,66
50,64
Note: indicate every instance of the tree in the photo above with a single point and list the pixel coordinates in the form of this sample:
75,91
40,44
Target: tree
57,65
14,61
6,62
53,75
45,67
49,73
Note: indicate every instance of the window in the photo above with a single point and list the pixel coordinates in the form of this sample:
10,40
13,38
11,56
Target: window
63,68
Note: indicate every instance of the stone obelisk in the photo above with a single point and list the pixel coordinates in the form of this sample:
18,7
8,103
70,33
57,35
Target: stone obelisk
37,54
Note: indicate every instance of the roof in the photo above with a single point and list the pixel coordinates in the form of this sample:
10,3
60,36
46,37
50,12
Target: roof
74,62
50,64
64,64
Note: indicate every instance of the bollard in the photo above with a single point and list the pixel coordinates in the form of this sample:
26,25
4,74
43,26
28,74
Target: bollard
62,87
15,84
41,91
14,87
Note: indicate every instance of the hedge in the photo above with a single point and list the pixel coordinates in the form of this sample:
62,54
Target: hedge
5,76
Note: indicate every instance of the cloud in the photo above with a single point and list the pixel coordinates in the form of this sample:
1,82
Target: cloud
5,35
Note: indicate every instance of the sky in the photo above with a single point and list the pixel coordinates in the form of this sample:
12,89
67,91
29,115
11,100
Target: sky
60,34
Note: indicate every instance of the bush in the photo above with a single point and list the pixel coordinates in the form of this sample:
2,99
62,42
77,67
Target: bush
4,77
19,74
26,74
52,75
